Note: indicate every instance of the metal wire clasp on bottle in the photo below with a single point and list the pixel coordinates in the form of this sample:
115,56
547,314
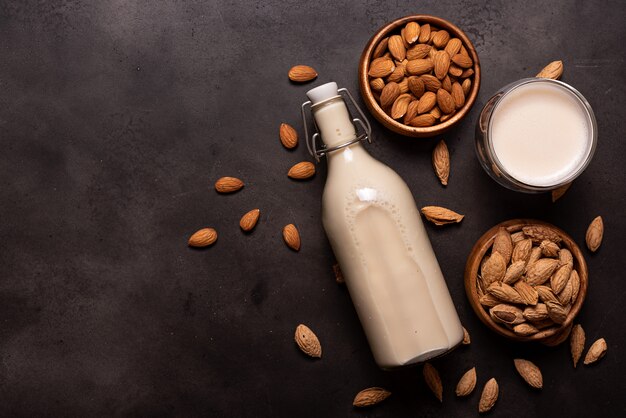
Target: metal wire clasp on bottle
311,142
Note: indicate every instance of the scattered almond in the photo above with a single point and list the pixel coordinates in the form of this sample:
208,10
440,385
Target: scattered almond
370,396
554,70
203,238
466,337
489,396
467,383
431,376
596,351
228,184
439,215
302,170
307,341
441,162
288,136
595,231
577,343
291,237
302,73
559,192
529,372
249,220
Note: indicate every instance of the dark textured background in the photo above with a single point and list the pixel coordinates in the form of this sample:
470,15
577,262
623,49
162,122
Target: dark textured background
116,117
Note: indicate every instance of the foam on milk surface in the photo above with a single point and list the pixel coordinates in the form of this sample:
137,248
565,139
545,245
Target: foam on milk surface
540,134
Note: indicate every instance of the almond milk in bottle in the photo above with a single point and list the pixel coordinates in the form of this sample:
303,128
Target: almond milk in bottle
379,240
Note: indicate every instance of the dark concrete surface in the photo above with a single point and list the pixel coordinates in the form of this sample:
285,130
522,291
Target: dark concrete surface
116,117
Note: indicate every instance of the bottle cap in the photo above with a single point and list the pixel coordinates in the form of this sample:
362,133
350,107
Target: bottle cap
323,92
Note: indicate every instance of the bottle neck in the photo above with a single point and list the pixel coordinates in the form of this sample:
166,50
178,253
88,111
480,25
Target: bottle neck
333,121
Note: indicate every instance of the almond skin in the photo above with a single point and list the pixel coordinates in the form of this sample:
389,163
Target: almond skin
466,337
307,341
400,105
302,170
418,51
422,121
381,67
389,94
411,32
288,136
441,161
396,47
427,102
228,185
445,101
370,396
203,238
249,220
380,48
302,73
458,95
462,61
431,376
554,70
416,85
489,396
453,47
529,372
441,64
594,235
291,236
502,243
596,351
577,343
439,215
467,383
419,66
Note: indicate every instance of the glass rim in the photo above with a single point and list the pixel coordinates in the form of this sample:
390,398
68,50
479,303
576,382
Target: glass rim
591,119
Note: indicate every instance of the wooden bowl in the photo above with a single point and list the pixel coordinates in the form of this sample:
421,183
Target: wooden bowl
549,336
374,107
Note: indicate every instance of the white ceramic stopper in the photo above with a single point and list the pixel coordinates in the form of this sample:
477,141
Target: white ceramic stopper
323,92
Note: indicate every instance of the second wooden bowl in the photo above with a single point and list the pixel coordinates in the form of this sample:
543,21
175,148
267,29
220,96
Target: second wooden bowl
549,336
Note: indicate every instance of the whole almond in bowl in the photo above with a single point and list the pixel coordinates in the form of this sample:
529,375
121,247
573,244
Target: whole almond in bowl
414,55
527,280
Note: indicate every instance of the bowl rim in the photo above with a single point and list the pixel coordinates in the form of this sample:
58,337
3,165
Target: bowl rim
483,244
375,108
